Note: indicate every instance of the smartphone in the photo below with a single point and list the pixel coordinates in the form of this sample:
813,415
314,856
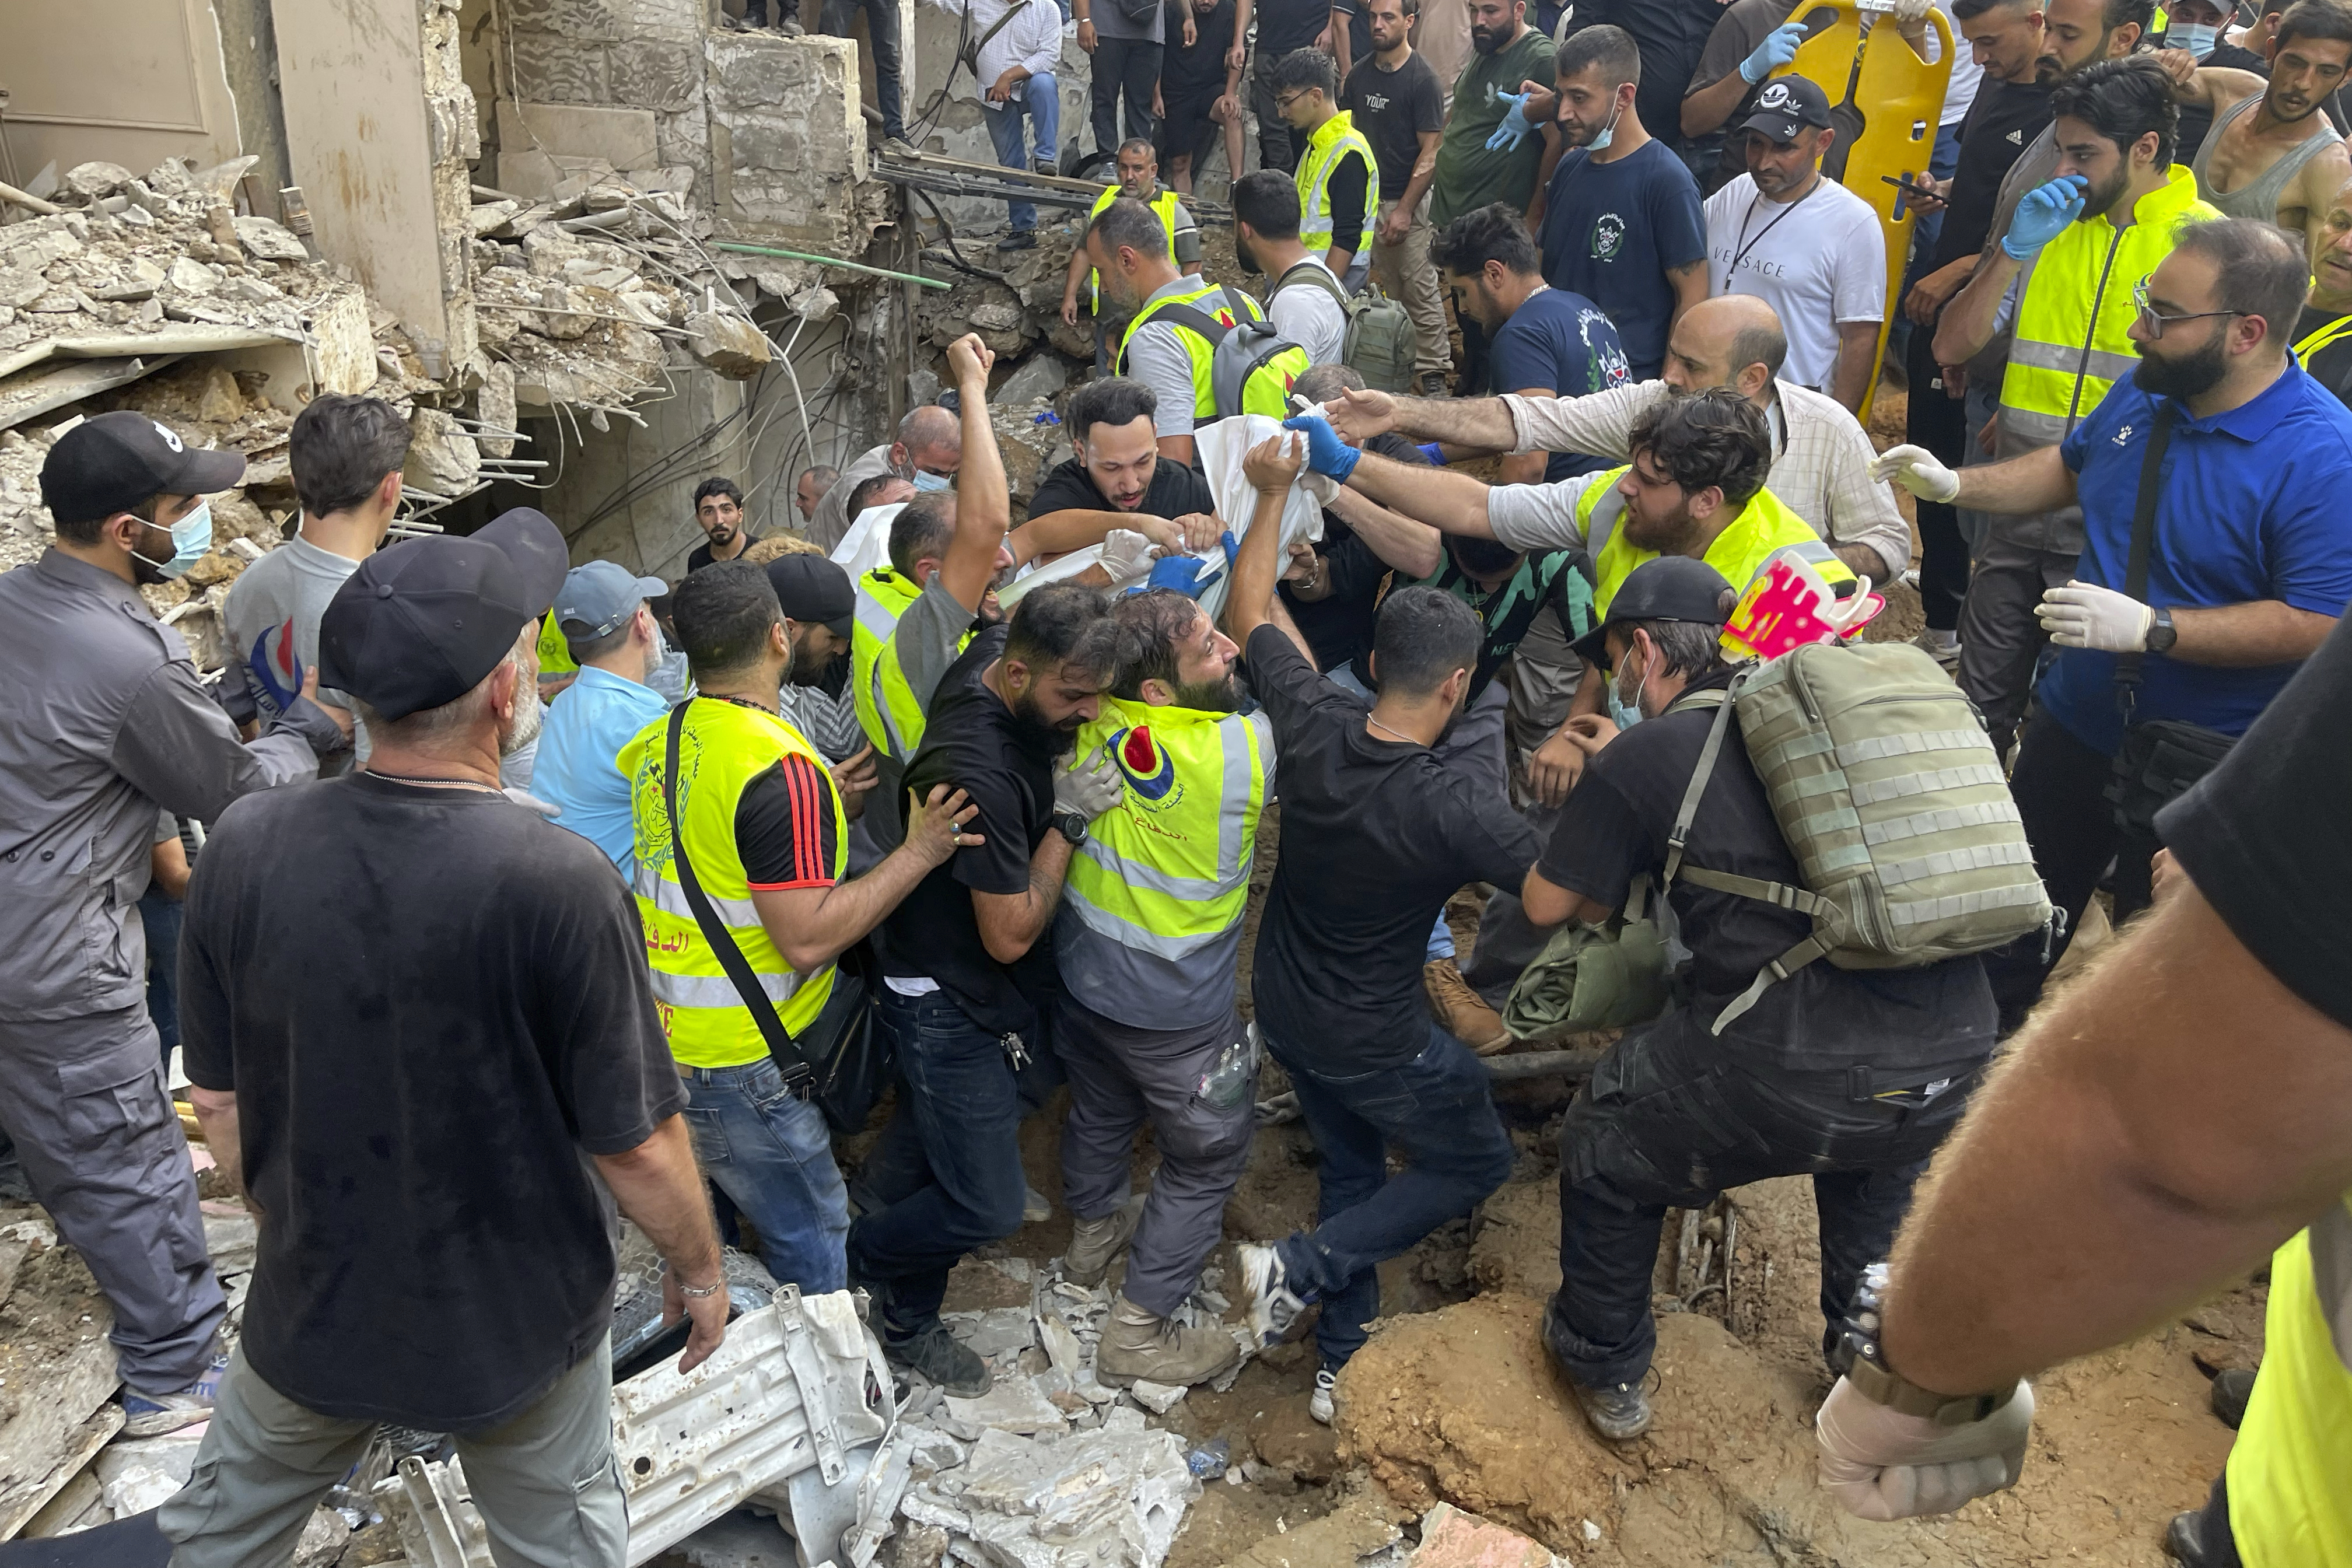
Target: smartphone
1912,188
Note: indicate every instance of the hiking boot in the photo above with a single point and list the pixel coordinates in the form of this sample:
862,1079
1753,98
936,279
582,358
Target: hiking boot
1618,1412
152,1414
1320,1404
1136,1344
1094,1242
1430,383
1273,1306
943,1359
1462,1012
2231,1389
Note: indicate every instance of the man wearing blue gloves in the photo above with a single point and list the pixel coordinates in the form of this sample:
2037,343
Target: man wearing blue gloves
2062,277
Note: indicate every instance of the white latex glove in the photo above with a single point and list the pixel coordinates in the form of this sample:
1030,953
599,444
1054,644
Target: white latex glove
1910,11
1919,470
1881,1464
2082,615
1088,785
1127,553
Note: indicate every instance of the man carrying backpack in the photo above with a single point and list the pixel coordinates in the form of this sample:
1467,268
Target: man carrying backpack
1302,295
1205,348
1850,1076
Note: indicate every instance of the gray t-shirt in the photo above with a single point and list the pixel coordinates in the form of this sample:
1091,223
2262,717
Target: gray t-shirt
929,638
1156,356
271,621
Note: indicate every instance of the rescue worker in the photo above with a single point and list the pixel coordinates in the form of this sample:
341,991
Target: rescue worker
1149,942
103,721
889,708
1170,344
2079,244
1338,177
1138,167
1850,1077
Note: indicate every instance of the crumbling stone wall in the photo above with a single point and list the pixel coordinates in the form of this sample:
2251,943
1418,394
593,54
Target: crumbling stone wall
634,53
788,142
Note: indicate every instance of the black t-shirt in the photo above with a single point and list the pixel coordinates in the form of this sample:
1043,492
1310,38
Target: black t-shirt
1375,835
784,830
1615,826
973,742
1286,25
432,1005
2261,835
1349,179
700,556
1177,489
1197,75
2002,123
1393,109
2332,364
1338,625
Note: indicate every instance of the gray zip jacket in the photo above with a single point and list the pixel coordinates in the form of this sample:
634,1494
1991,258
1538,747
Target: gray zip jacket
102,721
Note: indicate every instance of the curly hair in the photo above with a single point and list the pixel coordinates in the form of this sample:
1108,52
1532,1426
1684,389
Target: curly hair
1713,438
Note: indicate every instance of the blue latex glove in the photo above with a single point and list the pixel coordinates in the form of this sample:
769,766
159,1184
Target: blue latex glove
1326,453
2044,215
1515,127
1183,573
1435,452
1779,48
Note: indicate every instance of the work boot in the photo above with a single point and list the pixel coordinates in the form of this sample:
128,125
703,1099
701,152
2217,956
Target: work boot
2184,1540
1430,383
1321,1405
945,1359
1019,239
1274,1304
152,1414
2231,1389
1094,1242
1462,1012
1618,1412
1138,1345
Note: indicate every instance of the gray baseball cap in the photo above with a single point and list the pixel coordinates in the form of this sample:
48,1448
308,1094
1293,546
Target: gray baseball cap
600,597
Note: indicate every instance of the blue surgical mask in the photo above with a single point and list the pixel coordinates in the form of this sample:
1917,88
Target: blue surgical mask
927,480
1601,143
1624,713
2194,37
192,541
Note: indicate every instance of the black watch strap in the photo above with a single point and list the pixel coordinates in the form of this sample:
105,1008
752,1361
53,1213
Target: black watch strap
1070,826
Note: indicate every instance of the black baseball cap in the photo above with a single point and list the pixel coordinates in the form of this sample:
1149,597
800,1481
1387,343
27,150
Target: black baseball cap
418,625
1669,588
1788,105
813,589
115,461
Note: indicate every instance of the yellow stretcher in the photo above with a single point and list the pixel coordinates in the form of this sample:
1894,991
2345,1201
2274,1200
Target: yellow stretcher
1899,96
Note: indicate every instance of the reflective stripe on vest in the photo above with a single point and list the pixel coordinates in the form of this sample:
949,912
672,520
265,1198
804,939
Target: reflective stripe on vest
1163,202
2290,1500
1167,871
1202,352
886,708
1333,140
1764,528
723,749
2072,334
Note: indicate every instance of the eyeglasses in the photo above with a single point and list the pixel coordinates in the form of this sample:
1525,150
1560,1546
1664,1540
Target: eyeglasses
2155,320
1282,103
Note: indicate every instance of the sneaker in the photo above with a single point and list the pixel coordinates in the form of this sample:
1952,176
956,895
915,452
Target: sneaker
2231,1389
1094,1242
152,1414
1049,168
1944,646
1319,1405
1430,383
1273,1306
788,28
1035,1208
1019,239
1136,1344
898,147
944,1360
1618,1412
1462,1012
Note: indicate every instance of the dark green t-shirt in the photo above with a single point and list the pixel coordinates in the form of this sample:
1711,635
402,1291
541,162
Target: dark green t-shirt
1545,577
1468,176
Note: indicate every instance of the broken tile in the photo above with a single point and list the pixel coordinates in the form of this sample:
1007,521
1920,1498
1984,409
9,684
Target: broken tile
1014,1404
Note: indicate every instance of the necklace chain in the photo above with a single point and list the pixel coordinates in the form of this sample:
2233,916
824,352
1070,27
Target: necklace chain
1376,724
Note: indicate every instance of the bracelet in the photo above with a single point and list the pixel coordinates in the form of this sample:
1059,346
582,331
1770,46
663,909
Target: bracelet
697,1292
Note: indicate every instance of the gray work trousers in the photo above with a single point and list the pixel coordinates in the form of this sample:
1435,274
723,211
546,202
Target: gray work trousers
84,1101
1120,1078
2000,637
545,1482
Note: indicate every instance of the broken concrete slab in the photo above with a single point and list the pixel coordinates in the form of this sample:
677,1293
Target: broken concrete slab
622,138
998,1330
139,1474
728,343
1159,1398
1014,1404
1453,1539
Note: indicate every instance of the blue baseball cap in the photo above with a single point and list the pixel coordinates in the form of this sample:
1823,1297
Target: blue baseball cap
599,598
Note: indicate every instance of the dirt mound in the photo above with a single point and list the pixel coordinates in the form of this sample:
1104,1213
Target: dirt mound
1516,1248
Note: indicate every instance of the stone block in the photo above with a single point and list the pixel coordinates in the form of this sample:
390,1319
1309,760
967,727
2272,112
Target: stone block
651,74
1453,1539
270,240
1160,1398
551,68
582,19
682,20
621,137
1041,375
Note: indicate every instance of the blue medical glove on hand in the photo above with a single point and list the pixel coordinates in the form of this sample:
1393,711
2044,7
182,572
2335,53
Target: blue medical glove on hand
1515,126
1435,452
2044,215
1779,48
1326,453
1180,573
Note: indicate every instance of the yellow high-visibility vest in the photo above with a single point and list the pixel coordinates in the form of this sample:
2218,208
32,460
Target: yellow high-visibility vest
2073,321
554,652
724,747
2290,1506
1765,528
887,709
1268,389
1166,871
1333,140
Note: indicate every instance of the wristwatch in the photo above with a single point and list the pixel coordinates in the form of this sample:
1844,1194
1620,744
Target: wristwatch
2161,633
1867,1371
1070,826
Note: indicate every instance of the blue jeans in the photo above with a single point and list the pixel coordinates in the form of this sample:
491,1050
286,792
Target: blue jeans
947,1173
1439,1111
1041,106
771,1154
162,914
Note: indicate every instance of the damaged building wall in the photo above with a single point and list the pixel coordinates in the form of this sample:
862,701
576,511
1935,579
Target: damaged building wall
76,93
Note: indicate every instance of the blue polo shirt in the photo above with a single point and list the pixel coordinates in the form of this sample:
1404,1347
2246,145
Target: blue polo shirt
578,768
2252,508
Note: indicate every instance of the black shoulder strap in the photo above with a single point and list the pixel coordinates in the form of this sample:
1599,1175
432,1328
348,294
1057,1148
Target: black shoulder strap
1321,276
2143,536
714,930
971,57
1192,318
